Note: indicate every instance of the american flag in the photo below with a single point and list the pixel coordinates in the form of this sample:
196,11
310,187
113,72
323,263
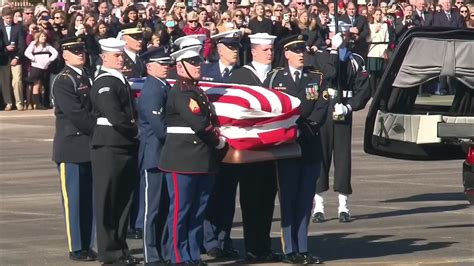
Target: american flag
250,117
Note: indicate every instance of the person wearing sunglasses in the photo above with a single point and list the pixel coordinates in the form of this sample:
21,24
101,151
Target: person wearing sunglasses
231,5
190,156
152,111
421,17
193,27
75,123
28,15
464,12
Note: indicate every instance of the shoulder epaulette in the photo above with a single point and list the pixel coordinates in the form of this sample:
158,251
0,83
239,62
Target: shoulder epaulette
65,73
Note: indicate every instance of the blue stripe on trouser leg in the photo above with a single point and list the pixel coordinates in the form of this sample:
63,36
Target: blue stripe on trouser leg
76,190
204,185
156,210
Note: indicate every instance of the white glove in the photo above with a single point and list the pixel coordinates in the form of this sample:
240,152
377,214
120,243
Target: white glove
222,142
340,109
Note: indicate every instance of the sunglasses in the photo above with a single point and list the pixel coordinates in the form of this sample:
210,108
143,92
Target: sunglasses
215,3
369,4
28,13
225,19
238,15
268,10
300,3
231,3
459,2
57,17
192,21
463,11
182,7
278,10
195,61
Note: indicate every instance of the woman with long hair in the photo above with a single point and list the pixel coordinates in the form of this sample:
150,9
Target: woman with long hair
464,12
225,23
259,23
378,40
41,55
470,22
76,25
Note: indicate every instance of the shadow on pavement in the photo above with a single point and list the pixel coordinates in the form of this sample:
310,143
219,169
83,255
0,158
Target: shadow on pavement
451,226
458,196
431,209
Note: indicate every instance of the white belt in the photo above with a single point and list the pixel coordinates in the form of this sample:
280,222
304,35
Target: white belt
103,121
179,130
345,94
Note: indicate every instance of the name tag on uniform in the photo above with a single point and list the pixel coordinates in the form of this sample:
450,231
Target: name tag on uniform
207,78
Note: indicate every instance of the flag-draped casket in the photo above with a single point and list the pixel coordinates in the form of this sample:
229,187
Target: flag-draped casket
259,124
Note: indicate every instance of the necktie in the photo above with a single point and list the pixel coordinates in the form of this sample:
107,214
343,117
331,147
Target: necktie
139,64
297,78
352,21
225,73
449,16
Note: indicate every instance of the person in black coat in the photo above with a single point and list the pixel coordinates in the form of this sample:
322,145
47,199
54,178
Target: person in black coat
221,207
257,180
359,30
114,155
152,112
297,176
421,17
190,157
260,24
336,134
133,66
74,127
448,17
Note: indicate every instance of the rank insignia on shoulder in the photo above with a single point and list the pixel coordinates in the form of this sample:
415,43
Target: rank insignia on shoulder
104,89
194,106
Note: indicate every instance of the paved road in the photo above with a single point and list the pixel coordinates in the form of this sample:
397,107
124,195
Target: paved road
406,212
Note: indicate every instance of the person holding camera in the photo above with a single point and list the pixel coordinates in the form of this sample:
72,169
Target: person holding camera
404,23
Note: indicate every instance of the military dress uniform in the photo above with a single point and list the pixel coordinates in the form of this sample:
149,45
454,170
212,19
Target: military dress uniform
336,135
71,151
221,208
114,157
297,177
133,66
257,181
152,112
190,157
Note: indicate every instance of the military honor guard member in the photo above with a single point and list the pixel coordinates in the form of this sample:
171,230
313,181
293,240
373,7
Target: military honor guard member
297,177
221,208
190,157
257,180
152,111
74,127
133,66
114,155
336,135
228,45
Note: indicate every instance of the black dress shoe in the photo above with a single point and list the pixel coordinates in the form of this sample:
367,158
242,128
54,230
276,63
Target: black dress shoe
310,259
156,263
135,234
230,253
125,260
292,258
197,263
318,217
344,217
215,252
271,256
80,256
92,254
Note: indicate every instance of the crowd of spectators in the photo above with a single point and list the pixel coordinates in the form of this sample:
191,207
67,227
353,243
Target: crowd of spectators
29,35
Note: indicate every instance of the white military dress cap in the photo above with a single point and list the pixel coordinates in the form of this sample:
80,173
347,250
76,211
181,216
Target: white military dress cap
188,52
262,38
112,45
190,40
227,34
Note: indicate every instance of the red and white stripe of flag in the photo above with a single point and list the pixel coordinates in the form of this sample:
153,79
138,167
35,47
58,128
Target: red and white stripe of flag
250,117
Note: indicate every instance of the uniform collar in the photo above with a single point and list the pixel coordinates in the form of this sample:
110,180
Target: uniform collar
293,70
261,70
131,54
115,73
76,69
222,67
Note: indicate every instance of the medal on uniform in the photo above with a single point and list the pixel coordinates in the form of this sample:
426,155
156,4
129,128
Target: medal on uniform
315,91
308,93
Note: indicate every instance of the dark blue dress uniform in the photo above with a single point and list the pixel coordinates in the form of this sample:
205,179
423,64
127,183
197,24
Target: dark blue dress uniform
190,158
152,111
71,151
114,157
297,177
221,208
257,189
354,82
133,68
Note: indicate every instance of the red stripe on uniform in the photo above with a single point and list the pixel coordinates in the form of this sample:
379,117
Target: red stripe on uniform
175,217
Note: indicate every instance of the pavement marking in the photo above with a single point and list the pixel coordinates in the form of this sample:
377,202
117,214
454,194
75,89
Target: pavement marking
29,213
26,115
407,183
27,220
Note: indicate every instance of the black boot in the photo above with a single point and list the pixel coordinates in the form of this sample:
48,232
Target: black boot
37,102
